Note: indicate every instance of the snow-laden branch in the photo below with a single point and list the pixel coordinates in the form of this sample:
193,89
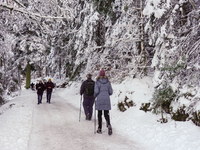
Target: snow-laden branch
68,9
20,4
125,39
29,13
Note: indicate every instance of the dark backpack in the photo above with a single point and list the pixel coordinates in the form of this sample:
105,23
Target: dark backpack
90,88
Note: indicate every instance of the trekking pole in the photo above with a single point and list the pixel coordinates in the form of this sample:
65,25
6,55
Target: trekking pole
80,109
94,116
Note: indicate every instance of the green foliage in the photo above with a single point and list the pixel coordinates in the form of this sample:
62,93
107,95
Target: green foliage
125,8
121,106
196,118
162,98
188,95
180,114
145,107
125,104
174,69
68,68
104,6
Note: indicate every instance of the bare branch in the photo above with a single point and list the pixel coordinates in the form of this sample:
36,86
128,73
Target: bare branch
191,1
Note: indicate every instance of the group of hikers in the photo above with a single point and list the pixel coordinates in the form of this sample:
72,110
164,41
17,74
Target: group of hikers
91,90
40,87
101,91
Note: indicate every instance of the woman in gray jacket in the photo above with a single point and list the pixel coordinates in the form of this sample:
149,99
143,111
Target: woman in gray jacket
102,91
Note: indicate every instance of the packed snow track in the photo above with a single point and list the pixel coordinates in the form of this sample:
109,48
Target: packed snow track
56,126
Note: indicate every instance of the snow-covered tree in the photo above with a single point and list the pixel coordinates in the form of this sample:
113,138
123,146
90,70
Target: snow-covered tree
173,29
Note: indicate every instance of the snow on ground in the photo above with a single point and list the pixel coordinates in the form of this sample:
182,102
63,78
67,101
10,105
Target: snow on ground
28,126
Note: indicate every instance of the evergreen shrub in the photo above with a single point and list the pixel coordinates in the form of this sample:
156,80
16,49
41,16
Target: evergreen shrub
162,99
180,114
125,104
125,8
196,118
145,107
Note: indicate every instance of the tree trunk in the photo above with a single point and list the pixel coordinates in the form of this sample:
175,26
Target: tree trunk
19,78
40,69
144,59
28,75
142,69
1,62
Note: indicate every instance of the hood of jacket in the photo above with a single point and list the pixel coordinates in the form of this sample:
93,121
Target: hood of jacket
103,79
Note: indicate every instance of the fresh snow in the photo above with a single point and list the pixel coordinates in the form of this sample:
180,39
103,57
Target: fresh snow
28,126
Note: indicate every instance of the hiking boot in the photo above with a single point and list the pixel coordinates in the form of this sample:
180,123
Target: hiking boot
99,131
87,117
109,130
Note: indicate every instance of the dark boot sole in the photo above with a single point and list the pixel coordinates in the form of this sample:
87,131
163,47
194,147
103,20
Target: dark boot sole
109,131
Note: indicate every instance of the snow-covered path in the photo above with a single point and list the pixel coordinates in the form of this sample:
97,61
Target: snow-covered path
56,126
53,126
24,125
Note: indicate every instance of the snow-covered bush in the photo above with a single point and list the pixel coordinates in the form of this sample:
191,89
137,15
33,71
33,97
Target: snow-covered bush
162,98
180,114
123,106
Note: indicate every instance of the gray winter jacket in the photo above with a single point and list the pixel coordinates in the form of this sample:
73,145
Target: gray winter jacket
102,91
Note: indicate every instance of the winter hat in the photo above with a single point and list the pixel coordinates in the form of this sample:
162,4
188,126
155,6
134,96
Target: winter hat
102,73
49,79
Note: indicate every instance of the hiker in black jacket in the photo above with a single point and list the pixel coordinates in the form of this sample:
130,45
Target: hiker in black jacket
40,89
49,86
87,90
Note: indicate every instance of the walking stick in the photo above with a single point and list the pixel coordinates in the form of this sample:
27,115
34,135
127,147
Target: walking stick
94,116
80,109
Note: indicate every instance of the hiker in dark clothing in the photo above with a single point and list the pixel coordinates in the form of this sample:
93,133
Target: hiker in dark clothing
49,87
32,86
40,89
87,90
102,91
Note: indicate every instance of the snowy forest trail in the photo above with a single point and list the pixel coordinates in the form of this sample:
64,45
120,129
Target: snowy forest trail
24,125
56,126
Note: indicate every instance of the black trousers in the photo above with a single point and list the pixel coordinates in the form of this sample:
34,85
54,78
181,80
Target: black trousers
48,96
88,106
40,98
106,115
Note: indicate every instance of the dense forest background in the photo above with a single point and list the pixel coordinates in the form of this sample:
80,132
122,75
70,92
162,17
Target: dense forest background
66,39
